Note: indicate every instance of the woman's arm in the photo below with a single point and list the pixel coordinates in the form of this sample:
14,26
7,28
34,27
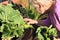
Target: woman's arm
45,22
57,15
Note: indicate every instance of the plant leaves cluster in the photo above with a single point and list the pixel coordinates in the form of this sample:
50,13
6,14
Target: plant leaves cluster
32,13
12,23
46,33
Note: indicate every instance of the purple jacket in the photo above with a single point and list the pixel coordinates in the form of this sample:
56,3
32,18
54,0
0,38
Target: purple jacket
54,18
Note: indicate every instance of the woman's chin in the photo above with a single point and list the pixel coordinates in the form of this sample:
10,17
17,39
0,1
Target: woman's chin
41,12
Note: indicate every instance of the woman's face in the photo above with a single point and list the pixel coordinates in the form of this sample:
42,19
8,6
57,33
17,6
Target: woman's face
42,5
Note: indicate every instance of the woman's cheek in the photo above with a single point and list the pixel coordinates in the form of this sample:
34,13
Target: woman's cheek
40,10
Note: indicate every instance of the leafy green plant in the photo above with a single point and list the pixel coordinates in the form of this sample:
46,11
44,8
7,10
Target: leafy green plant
30,13
46,33
12,23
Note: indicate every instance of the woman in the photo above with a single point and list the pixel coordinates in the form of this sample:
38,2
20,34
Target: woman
53,8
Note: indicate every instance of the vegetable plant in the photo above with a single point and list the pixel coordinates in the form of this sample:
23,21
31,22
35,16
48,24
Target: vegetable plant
32,13
46,33
12,23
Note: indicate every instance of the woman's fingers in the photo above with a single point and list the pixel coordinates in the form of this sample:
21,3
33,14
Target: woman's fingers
33,22
27,19
30,21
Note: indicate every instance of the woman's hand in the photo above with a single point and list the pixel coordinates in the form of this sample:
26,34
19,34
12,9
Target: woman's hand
30,21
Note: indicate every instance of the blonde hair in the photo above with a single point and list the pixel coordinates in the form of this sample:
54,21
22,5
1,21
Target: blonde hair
42,5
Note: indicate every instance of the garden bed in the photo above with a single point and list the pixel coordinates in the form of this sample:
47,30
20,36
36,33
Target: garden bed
13,25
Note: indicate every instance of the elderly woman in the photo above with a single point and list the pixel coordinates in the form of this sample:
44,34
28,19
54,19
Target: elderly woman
53,9
51,6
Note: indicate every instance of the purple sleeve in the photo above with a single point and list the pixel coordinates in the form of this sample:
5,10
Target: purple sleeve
55,16
47,21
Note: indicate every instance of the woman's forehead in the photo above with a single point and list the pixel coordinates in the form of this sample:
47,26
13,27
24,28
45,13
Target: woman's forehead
42,5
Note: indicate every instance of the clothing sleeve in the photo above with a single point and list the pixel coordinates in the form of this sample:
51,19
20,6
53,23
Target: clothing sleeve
45,22
57,14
